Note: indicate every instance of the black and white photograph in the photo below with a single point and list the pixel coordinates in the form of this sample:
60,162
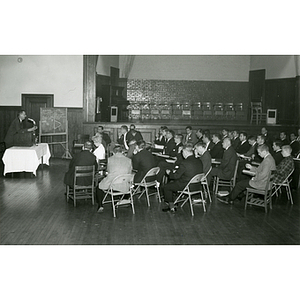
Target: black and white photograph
130,149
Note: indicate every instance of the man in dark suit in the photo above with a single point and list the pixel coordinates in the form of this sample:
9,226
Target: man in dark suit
176,153
204,156
283,138
217,150
160,139
190,136
123,138
244,145
226,168
142,161
236,139
19,125
105,136
134,134
170,143
188,168
294,144
206,139
83,158
266,136
199,134
277,155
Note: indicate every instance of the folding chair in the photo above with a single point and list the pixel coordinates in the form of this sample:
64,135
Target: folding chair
286,183
261,198
80,191
144,184
226,183
112,191
186,191
204,183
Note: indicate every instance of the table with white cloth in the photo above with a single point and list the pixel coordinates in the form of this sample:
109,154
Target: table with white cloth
25,159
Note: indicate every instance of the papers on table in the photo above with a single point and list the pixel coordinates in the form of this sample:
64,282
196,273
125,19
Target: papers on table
161,155
243,156
247,172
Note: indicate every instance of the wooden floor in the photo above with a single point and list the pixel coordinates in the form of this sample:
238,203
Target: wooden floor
34,211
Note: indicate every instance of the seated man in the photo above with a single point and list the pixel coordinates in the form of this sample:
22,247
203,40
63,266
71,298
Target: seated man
199,134
217,150
253,146
105,136
134,134
244,145
204,156
236,139
277,155
260,140
99,152
283,138
225,133
176,153
226,169
206,139
286,166
190,136
123,138
294,144
117,165
160,139
83,158
260,179
142,161
170,143
188,168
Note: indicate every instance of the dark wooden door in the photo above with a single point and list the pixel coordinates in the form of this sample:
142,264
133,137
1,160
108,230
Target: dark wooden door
33,102
257,85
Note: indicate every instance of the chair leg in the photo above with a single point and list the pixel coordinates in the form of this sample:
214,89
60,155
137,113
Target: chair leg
157,188
93,196
217,185
203,201
68,192
191,205
132,204
289,193
247,194
207,190
147,196
74,197
113,205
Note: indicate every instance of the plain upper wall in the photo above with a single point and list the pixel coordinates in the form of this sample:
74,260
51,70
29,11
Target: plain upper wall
105,62
276,66
61,75
191,67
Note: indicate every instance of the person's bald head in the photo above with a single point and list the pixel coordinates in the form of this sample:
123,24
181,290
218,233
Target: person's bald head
88,146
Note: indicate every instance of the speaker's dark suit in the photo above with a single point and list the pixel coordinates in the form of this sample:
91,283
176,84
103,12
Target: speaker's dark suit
131,135
210,146
187,169
160,141
142,162
120,140
243,148
217,151
15,127
83,158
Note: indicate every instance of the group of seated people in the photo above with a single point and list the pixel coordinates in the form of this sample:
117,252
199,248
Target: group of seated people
182,156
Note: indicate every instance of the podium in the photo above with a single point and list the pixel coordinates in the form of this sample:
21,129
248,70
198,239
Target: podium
26,139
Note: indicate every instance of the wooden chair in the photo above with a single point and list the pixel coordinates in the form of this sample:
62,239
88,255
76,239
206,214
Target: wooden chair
205,185
226,183
79,191
145,185
186,191
79,142
261,198
112,191
286,183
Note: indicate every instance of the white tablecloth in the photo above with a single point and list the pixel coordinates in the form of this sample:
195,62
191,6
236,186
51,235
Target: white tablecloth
25,159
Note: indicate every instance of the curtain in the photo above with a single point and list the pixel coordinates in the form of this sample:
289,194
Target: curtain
126,63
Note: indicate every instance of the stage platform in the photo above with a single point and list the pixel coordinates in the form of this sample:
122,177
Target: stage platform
149,128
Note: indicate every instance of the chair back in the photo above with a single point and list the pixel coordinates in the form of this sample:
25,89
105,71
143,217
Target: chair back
269,184
197,178
86,175
124,181
151,172
207,173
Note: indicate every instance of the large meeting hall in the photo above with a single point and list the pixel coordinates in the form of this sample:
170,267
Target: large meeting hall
143,109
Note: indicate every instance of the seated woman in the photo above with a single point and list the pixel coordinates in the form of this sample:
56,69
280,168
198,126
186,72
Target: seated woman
99,152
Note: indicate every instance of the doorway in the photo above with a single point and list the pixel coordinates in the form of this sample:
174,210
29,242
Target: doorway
32,103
